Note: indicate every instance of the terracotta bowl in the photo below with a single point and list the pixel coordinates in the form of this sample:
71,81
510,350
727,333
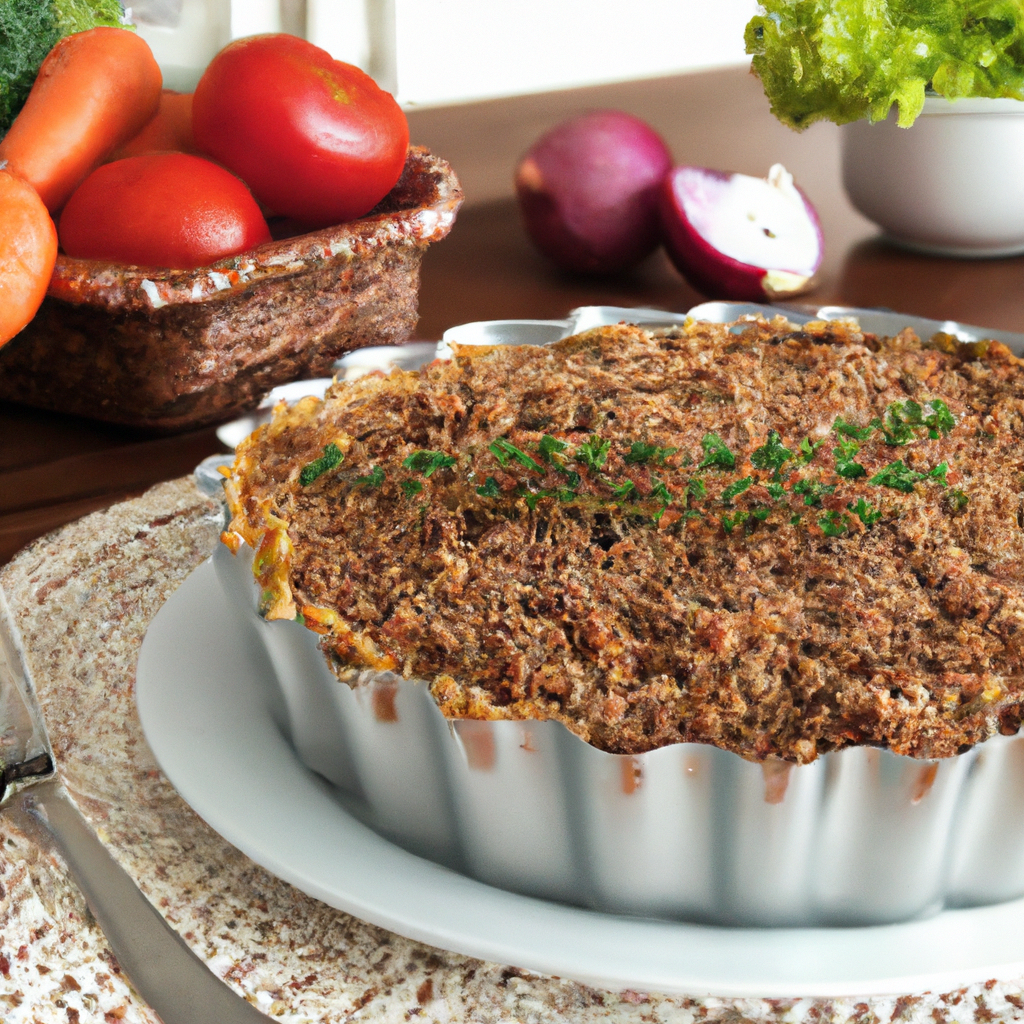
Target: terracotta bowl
177,349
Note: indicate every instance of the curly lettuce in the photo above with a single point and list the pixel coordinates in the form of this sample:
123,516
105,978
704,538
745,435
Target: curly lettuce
28,31
843,60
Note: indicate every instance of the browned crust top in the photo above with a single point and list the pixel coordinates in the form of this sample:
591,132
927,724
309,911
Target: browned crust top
640,621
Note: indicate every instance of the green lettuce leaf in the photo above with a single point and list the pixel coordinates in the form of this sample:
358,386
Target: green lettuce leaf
843,60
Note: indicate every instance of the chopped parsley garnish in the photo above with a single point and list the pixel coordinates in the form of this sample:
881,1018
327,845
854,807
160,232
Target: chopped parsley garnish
532,497
846,466
900,477
329,459
812,490
661,491
864,512
428,462
897,475
901,418
957,501
593,453
729,523
640,453
759,513
716,453
897,429
772,454
505,452
808,449
490,489
736,488
372,479
902,423
549,448
940,420
833,524
857,433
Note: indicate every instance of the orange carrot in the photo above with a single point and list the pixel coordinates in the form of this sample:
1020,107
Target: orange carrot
94,91
169,130
28,249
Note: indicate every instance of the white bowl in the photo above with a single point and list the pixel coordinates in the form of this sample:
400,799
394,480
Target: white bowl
950,185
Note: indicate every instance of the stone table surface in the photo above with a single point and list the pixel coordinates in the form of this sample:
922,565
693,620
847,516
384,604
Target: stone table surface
81,600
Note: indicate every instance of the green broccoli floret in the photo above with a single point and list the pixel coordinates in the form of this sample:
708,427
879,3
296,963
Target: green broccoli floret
842,60
28,31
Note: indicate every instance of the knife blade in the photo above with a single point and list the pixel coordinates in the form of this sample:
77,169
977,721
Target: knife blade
178,986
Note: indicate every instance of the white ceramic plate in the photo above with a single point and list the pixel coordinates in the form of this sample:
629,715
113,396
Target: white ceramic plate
202,695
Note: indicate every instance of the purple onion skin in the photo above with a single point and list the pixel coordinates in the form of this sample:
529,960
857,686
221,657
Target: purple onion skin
588,192
711,272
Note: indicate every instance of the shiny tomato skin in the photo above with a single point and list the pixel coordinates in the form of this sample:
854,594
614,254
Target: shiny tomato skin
314,138
161,210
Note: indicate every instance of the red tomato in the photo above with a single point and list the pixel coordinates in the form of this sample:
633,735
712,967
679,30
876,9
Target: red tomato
315,139
161,210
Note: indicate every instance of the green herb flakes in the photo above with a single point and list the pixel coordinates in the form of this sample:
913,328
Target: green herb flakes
490,489
897,475
372,479
809,450
549,448
660,491
844,453
736,488
716,453
833,524
729,523
956,501
695,489
851,430
772,454
593,453
864,512
939,420
429,462
939,473
411,487
505,452
641,454
812,490
329,459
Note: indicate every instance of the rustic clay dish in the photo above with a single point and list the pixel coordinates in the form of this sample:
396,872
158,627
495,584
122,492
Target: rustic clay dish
177,349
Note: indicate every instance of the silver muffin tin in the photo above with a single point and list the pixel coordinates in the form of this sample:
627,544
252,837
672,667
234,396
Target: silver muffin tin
860,836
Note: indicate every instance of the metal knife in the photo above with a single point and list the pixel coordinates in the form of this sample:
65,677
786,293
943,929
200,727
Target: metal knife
178,986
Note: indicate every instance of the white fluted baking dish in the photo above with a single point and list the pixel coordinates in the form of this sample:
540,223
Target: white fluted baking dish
861,836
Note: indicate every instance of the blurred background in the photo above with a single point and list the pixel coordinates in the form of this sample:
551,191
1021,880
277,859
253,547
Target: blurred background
433,52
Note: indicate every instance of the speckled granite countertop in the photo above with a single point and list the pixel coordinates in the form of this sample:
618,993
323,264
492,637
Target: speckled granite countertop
82,599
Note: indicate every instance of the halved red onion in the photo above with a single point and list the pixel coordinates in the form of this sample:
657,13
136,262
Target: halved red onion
733,236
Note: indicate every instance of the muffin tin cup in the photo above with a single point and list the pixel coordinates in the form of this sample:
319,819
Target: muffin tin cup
687,832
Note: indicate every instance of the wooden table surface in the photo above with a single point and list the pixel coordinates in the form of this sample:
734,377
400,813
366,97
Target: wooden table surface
54,468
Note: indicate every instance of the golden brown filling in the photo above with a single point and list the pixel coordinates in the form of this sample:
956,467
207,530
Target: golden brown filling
780,541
